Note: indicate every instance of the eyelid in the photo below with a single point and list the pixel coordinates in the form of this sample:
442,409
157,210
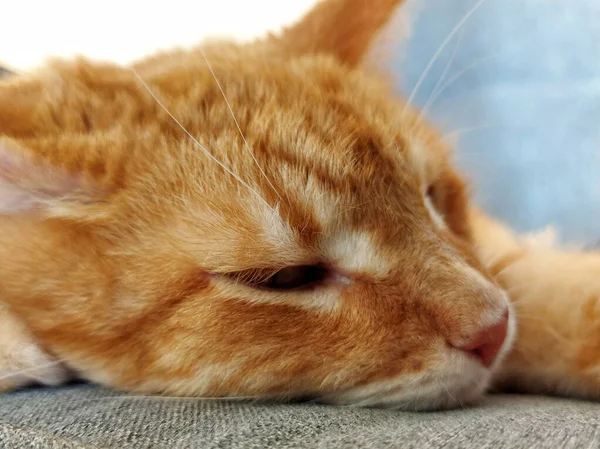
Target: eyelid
253,275
289,278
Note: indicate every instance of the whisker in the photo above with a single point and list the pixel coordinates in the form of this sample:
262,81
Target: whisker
469,129
349,208
493,260
208,64
174,398
198,144
444,73
369,400
435,95
30,369
442,384
437,54
505,271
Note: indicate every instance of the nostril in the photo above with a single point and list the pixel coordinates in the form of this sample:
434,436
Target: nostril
486,343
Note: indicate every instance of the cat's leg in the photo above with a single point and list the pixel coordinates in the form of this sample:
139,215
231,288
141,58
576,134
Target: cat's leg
22,361
556,300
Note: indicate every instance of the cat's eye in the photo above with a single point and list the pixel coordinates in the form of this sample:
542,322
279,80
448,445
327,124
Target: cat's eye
288,278
295,277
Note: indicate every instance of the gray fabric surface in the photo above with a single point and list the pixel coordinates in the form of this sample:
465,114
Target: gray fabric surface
90,417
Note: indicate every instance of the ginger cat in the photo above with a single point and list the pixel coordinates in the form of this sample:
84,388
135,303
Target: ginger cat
263,220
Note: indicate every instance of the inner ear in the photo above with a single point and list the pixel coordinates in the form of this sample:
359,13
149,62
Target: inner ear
341,28
449,196
30,184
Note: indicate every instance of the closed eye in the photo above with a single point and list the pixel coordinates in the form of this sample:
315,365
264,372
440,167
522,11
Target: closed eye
288,278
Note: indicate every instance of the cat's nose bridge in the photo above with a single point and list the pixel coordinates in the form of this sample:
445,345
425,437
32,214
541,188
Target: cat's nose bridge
465,302
461,280
452,296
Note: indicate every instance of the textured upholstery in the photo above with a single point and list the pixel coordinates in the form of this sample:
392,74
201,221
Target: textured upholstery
90,417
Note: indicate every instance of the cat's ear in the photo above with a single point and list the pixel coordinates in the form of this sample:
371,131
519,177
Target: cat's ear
342,28
29,185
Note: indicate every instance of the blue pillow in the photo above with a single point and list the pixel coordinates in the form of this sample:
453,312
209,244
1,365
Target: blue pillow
521,99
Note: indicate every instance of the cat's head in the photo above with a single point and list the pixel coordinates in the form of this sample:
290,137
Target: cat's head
245,220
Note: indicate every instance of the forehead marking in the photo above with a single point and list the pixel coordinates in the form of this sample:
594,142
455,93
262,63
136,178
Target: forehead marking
274,228
356,252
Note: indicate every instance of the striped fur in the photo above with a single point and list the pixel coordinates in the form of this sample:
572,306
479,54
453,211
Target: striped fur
121,263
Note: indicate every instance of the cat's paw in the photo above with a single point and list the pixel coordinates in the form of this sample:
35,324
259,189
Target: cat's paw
22,361
494,241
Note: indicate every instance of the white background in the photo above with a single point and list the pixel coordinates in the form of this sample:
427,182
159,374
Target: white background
123,30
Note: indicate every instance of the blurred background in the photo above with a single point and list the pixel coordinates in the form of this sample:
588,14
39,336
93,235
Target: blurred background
514,84
517,89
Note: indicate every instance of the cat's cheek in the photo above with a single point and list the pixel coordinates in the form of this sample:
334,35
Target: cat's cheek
22,361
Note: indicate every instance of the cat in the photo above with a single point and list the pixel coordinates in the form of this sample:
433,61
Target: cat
261,220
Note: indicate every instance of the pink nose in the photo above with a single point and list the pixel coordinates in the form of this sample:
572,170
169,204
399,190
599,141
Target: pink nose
486,343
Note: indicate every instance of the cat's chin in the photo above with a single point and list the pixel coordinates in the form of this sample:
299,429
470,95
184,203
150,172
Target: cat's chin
458,380
431,391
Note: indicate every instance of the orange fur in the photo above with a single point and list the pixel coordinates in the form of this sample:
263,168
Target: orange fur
124,250
555,294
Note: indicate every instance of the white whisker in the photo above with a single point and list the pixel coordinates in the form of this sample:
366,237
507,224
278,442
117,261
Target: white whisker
435,95
198,144
31,369
469,129
208,64
439,51
184,398
506,269
434,92
490,262
454,400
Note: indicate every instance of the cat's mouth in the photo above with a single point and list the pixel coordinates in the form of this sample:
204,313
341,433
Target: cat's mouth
459,379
